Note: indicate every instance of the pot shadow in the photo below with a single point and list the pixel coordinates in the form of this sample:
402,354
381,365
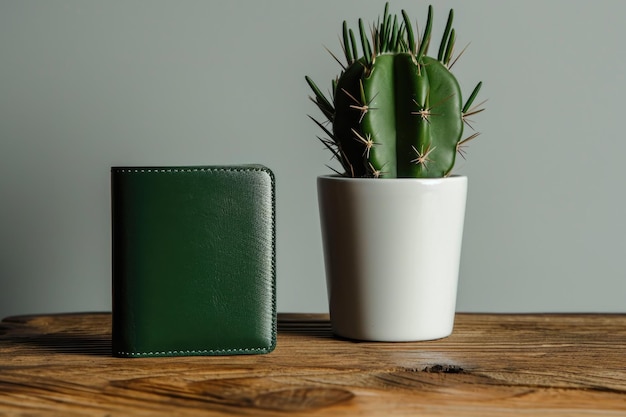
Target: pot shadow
310,325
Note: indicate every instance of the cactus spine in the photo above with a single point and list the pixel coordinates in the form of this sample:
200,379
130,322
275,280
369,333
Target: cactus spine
396,112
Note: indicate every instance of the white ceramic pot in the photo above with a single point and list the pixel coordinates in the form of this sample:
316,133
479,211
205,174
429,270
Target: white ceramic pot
392,249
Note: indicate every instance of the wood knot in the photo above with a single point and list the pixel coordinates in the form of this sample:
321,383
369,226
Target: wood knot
301,399
444,369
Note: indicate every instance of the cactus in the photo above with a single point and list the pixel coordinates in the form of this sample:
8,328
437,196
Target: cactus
396,112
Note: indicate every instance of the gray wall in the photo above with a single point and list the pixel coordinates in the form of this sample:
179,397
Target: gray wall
85,85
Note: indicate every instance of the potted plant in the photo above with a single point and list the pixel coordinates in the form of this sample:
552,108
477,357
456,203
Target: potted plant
392,219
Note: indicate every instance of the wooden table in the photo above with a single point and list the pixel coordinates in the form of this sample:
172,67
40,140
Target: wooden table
492,365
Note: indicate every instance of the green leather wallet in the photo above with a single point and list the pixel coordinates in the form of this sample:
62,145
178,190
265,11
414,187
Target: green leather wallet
193,260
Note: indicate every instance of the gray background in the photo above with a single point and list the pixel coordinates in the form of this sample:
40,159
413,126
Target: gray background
85,85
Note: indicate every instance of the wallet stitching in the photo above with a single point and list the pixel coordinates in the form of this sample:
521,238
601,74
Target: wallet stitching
195,352
262,349
191,169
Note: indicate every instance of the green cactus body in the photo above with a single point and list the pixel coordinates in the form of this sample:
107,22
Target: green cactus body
398,113
388,137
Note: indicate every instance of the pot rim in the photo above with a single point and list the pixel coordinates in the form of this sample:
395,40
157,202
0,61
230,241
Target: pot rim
340,178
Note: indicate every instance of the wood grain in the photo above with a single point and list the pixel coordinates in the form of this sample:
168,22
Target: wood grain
492,365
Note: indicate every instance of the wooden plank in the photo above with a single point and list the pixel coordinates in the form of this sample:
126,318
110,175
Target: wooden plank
492,365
